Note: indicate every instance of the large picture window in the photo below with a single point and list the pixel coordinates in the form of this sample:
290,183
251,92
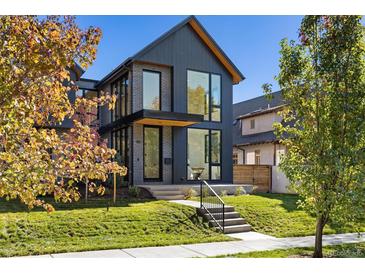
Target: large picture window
204,154
198,93
151,90
152,153
204,95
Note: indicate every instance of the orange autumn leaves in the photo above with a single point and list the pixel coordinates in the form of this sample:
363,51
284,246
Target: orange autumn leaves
37,56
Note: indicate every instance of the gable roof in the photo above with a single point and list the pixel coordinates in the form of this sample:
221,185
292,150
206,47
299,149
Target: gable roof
237,76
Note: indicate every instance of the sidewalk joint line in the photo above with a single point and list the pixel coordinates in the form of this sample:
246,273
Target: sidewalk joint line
197,252
124,250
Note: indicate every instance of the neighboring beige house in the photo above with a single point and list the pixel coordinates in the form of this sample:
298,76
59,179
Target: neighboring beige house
254,140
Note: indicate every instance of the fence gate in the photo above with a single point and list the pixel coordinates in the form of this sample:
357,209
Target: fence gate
259,176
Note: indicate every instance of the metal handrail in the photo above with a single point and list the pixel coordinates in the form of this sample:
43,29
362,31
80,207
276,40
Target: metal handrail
212,190
221,227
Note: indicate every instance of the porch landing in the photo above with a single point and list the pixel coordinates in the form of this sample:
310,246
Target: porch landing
179,192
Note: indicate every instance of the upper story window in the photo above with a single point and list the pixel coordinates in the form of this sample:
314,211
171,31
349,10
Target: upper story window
252,123
122,105
151,90
216,97
204,95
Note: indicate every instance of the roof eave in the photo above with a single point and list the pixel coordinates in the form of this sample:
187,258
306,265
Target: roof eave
237,75
114,72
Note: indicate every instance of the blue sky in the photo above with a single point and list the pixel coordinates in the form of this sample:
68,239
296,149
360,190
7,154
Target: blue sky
252,43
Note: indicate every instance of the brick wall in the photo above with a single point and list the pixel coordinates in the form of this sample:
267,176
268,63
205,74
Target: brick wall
137,94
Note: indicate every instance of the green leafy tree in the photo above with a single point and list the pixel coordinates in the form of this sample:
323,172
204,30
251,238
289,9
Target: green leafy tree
322,78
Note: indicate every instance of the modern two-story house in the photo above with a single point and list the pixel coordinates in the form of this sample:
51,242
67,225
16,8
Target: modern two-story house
173,115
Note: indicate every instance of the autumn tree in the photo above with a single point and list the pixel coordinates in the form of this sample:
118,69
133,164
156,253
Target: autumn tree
36,57
322,78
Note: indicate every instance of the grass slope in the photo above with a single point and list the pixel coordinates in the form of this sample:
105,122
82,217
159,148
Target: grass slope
278,215
79,227
336,251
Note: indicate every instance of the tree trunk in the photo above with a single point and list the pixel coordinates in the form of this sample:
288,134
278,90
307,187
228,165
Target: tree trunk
86,189
114,188
318,241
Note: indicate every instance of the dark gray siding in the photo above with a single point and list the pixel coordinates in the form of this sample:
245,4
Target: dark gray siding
184,50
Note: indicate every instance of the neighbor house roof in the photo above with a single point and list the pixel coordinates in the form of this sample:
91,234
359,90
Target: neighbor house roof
237,76
249,108
260,112
253,139
257,104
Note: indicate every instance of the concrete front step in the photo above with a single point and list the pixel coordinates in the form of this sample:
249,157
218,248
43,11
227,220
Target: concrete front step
237,228
167,192
169,197
218,216
162,192
228,222
233,222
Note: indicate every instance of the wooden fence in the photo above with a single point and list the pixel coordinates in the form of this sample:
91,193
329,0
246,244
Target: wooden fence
257,175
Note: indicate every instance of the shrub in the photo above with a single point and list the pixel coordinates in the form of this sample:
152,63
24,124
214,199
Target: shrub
133,191
205,192
190,193
240,191
224,192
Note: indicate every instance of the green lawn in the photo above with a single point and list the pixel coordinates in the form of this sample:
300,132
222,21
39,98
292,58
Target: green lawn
80,227
278,215
336,251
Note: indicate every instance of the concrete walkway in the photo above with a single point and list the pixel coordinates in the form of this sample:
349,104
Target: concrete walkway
186,203
250,241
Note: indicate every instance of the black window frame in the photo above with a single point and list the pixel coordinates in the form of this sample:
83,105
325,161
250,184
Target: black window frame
210,106
159,179
220,97
118,84
160,87
125,156
210,164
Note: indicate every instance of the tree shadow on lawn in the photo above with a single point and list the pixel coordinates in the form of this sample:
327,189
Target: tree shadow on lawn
14,206
289,203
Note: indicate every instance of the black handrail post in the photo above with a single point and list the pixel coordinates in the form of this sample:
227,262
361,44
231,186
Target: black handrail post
223,217
201,194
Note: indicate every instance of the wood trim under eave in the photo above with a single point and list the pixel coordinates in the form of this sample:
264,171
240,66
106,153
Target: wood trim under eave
163,122
236,78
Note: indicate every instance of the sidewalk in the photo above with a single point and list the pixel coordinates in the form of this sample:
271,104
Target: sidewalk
250,241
